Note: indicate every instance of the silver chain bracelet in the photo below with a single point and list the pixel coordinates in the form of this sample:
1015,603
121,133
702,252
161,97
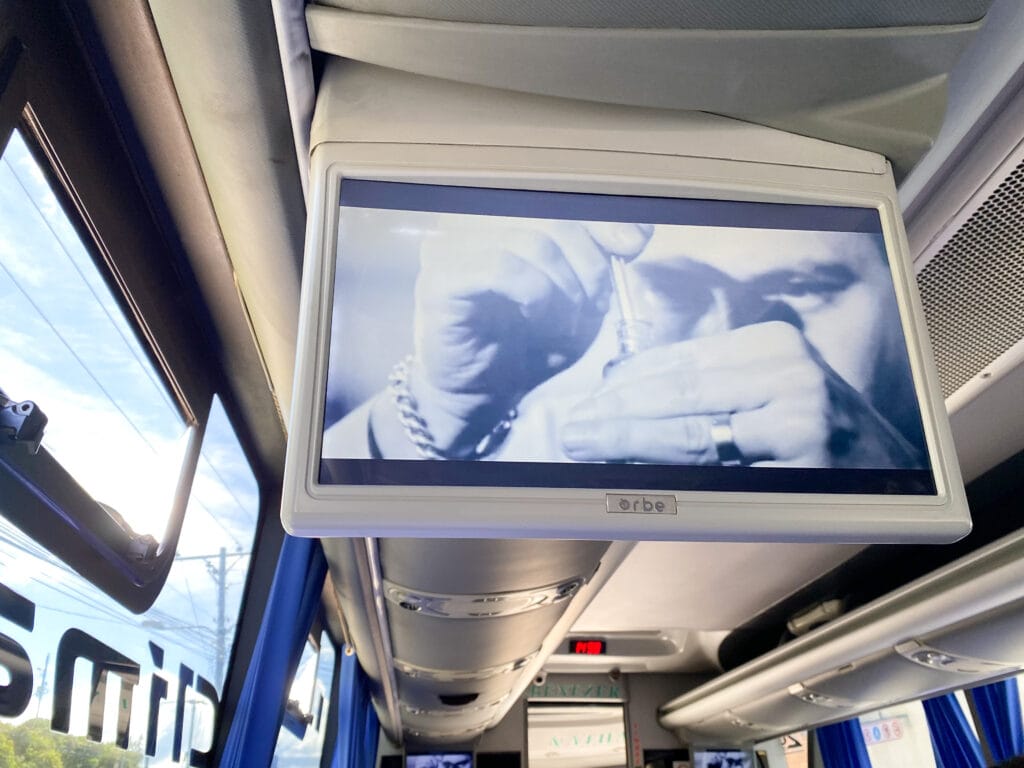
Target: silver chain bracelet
416,428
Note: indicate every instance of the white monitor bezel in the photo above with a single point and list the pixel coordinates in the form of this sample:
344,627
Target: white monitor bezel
311,509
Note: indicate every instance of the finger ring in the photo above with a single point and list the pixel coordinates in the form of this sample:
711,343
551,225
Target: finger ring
722,436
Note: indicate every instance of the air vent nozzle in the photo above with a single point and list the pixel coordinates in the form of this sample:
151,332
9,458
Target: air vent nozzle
458,699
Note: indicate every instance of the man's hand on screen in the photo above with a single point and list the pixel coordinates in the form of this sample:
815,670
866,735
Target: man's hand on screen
784,406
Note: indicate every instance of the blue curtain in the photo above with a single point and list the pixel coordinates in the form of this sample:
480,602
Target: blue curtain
953,742
293,601
358,727
842,745
998,708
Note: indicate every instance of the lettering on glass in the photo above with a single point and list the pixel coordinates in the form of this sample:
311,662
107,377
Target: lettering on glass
16,695
103,660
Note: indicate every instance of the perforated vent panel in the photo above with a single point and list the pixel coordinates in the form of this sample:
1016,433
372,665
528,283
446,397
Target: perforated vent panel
973,289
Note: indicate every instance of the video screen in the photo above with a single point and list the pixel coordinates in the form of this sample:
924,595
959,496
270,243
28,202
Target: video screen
450,760
723,758
544,339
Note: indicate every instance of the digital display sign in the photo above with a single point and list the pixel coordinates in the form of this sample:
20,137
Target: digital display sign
587,646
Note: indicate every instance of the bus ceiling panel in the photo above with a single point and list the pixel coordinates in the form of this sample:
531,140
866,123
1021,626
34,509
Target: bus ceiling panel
359,102
996,639
225,64
705,585
990,427
878,681
681,14
136,58
726,728
778,710
662,651
880,88
358,589
486,566
988,76
960,625
472,646
456,696
989,646
451,632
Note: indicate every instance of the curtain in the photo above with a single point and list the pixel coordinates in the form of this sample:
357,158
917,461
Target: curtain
953,742
842,745
998,709
358,727
292,604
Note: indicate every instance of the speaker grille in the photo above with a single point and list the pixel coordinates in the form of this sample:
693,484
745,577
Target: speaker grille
973,289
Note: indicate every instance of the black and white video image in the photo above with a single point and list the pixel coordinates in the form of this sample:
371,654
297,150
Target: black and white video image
453,760
465,336
722,758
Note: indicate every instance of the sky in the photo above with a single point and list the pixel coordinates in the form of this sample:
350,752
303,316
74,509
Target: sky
67,346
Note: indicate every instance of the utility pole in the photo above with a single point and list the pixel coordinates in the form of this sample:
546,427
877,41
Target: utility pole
222,588
43,688
219,573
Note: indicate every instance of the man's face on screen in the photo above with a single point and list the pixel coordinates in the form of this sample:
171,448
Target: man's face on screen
835,286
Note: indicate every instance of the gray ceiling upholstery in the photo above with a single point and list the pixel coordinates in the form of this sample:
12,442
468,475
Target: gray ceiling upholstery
682,14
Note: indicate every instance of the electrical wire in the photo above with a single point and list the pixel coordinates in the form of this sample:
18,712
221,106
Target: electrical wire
70,349
143,364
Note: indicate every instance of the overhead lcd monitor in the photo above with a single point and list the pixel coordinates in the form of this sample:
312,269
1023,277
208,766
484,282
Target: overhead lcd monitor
545,339
487,360
439,760
723,758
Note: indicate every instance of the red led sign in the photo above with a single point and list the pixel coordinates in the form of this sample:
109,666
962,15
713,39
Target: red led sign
587,647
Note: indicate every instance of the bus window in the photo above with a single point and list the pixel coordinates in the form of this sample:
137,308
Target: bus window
300,742
82,669
575,733
898,736
794,748
68,348
99,443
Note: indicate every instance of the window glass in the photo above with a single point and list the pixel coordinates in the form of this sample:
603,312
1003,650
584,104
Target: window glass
159,674
1019,679
68,347
575,733
961,699
898,736
793,748
301,691
311,688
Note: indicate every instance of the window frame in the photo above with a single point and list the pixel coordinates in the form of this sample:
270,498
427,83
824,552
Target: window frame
51,92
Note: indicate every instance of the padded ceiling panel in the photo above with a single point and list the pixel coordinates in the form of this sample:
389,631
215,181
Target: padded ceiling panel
710,585
682,14
488,566
226,67
879,89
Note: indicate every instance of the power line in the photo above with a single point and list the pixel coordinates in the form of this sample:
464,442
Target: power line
229,487
213,517
71,350
146,368
108,613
